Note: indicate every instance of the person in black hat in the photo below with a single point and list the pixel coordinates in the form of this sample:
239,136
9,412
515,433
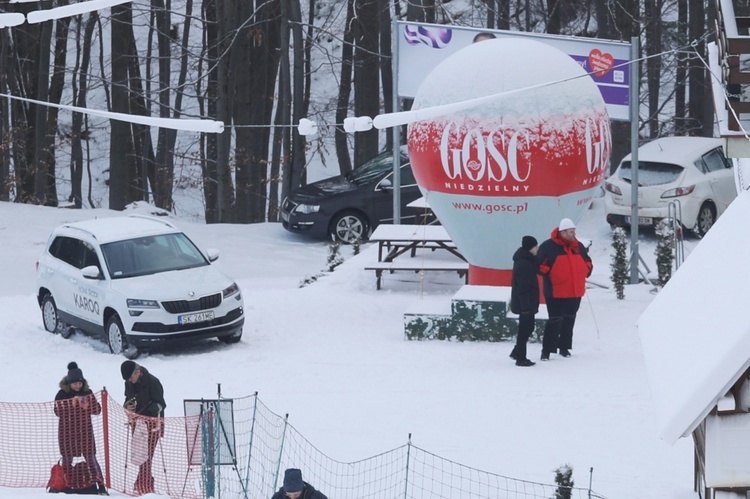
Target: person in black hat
75,403
524,296
295,488
144,401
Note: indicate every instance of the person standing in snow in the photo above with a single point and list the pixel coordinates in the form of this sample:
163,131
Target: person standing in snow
144,396
564,265
524,296
295,488
75,403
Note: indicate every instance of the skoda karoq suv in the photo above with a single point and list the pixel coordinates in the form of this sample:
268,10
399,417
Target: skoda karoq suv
136,281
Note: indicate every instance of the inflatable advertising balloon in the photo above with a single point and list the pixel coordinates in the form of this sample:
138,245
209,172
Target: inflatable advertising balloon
518,163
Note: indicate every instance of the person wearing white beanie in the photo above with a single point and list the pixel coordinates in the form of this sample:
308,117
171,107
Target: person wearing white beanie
564,265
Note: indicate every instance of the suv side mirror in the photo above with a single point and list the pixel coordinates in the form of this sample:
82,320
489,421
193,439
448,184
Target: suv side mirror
385,185
212,254
91,272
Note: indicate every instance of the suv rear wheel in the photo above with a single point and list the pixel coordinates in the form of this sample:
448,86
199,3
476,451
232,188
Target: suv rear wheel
51,319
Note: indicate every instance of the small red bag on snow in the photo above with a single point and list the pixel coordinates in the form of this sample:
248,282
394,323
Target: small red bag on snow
57,481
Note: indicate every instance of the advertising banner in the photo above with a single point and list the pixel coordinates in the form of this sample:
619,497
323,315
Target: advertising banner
421,47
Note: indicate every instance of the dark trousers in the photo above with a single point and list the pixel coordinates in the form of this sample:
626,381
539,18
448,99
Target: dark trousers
559,330
525,328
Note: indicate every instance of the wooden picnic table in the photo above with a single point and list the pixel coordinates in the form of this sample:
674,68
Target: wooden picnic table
396,240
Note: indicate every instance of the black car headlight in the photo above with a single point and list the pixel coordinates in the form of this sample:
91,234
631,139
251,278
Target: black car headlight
307,208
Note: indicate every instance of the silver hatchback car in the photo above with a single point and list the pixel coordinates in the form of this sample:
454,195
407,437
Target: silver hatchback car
688,178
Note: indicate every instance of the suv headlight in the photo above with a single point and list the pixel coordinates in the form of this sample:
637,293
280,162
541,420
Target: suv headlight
136,303
307,208
231,290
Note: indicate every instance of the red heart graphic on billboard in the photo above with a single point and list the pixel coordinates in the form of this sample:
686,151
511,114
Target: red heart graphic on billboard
600,63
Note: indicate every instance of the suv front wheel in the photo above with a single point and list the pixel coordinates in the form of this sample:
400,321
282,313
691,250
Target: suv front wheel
117,339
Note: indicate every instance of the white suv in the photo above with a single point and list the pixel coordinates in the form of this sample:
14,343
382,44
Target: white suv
136,281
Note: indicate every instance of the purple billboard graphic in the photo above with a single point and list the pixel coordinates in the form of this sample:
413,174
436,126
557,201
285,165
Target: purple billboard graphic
436,38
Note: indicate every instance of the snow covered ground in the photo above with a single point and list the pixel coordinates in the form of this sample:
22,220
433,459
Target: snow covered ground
333,356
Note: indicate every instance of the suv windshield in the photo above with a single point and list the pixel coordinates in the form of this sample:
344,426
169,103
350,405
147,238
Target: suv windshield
151,255
651,173
374,169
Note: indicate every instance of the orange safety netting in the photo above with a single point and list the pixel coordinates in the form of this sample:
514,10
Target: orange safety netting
36,436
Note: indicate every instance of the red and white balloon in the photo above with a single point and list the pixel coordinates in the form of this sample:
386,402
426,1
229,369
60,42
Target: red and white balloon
517,164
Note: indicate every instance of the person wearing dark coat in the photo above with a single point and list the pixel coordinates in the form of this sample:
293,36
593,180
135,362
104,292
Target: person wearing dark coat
295,488
524,296
75,403
144,400
564,264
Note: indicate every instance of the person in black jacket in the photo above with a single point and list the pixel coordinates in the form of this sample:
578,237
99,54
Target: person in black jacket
524,296
295,488
144,400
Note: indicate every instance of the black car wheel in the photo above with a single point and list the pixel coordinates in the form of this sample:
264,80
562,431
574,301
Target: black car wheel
117,339
349,226
232,338
706,219
51,319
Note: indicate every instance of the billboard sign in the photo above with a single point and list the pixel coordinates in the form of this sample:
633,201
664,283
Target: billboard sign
421,47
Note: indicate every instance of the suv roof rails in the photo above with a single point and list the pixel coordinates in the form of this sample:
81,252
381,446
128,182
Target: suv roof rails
153,219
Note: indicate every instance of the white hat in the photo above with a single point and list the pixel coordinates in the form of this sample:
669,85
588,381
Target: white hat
566,224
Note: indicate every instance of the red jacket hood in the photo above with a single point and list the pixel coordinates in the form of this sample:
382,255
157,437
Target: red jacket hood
558,239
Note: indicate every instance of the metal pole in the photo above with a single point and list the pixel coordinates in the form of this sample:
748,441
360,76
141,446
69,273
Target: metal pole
396,130
406,477
634,122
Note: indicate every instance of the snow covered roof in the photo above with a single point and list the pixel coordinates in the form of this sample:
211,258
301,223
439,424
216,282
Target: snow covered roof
695,334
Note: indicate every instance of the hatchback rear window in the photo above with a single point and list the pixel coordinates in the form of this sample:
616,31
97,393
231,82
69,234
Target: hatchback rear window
651,173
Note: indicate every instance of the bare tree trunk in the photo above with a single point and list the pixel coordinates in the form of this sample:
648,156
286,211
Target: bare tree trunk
79,94
283,116
122,152
503,14
652,16
366,80
604,19
697,85
5,62
41,153
386,62
680,108
171,135
57,84
300,95
164,164
345,89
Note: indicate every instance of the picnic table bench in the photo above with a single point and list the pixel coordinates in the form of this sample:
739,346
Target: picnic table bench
397,240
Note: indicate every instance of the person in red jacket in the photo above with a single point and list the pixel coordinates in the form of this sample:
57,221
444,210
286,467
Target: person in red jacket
564,265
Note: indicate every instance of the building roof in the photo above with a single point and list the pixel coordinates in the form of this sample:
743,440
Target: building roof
695,334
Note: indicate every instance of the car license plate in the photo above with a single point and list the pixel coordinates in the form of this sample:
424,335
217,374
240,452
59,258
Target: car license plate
641,220
193,318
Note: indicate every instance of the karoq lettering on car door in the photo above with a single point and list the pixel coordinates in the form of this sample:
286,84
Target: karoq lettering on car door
87,295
